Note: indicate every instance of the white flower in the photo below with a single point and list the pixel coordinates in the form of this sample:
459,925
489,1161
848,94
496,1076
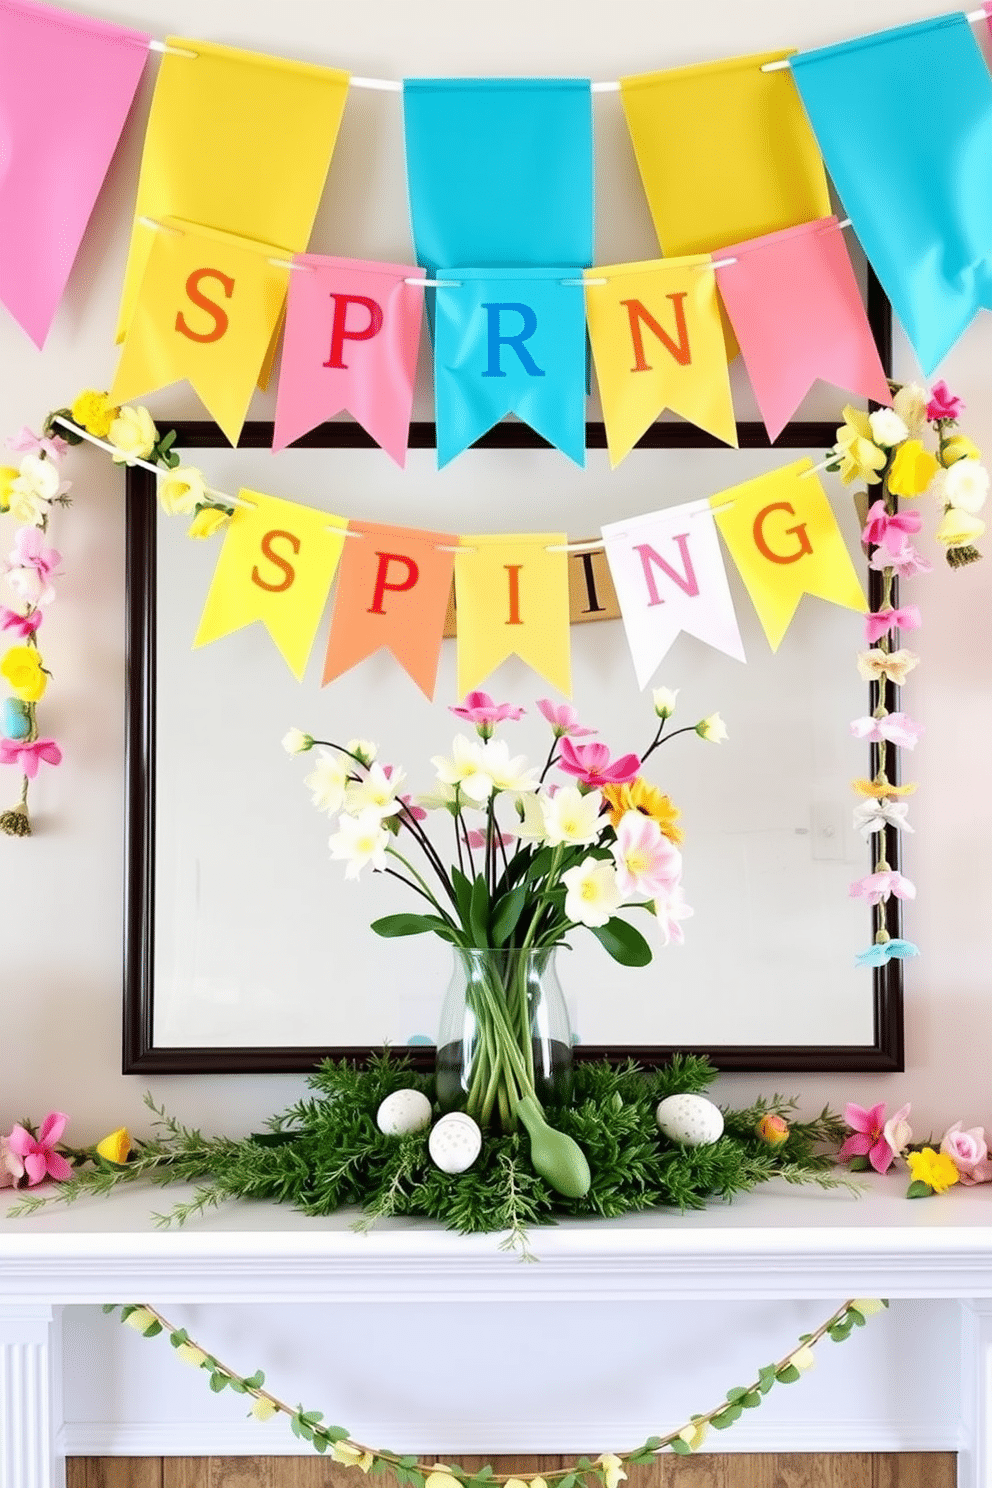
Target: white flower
328,781
910,403
712,728
670,909
898,1132
31,491
871,816
508,773
363,749
664,701
295,741
570,817
29,586
612,1468
887,428
445,798
181,491
533,823
965,485
359,840
464,769
133,435
592,894
378,792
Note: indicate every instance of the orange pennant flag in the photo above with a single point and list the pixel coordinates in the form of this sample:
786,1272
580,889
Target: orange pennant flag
392,591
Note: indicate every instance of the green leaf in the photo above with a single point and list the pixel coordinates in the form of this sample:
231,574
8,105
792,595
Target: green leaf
109,1307
311,1417
751,1400
726,1417
218,1382
680,1448
623,942
237,1387
766,1378
736,1394
508,912
463,893
918,1189
394,925
839,1332
153,1330
338,1433
178,1338
321,1443
478,915
788,1375
255,1381
859,1165
652,1444
856,1318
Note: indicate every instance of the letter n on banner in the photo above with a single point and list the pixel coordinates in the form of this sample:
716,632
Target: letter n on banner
668,572
392,591
784,538
276,565
512,598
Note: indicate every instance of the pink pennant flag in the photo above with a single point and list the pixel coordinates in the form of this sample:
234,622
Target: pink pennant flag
797,313
66,84
351,343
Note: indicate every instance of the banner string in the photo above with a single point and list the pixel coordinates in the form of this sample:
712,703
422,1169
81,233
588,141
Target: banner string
971,16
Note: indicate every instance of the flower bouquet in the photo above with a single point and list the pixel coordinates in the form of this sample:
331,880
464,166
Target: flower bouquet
532,861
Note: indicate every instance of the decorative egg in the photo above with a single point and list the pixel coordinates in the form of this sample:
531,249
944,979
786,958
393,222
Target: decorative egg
690,1120
403,1112
15,720
455,1142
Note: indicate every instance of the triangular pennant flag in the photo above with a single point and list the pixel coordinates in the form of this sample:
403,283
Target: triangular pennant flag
667,570
237,141
209,308
66,85
798,315
351,343
510,342
725,152
276,565
392,591
512,598
925,219
657,343
784,538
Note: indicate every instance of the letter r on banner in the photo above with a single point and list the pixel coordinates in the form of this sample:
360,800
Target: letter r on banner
496,338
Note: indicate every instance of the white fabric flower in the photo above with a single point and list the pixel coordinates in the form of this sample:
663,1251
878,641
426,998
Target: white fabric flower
871,816
664,701
910,403
133,435
181,491
377,792
508,772
444,798
670,908
465,769
33,489
328,781
533,824
360,840
570,817
295,741
363,749
887,428
592,892
965,485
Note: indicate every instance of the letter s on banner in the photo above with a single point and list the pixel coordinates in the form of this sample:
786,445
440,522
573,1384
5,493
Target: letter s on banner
804,548
288,571
382,582
215,311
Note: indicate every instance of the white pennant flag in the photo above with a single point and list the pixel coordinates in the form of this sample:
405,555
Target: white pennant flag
668,572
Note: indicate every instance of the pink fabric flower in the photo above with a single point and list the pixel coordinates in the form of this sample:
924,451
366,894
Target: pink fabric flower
31,565
868,1139
907,562
890,530
412,809
593,766
878,886
881,621
29,756
11,1167
648,864
28,443
943,404
969,1152
892,728
38,1154
479,708
478,839
563,718
22,625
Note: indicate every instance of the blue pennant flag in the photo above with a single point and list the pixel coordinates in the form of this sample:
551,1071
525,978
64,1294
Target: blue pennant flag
904,121
500,171
510,341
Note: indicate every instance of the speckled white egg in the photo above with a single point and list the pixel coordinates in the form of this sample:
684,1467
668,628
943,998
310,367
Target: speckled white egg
690,1120
455,1142
403,1112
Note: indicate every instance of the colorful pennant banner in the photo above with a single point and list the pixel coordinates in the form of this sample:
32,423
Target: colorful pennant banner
511,593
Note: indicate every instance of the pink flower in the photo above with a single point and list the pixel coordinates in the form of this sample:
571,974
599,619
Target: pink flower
943,404
878,886
563,718
412,809
31,565
478,839
28,756
479,708
968,1151
27,443
648,864
881,621
868,1138
22,625
669,909
907,562
38,1154
592,764
890,530
11,1167
893,728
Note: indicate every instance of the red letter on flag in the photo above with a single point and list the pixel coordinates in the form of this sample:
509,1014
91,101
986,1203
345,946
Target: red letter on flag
339,332
382,583
679,349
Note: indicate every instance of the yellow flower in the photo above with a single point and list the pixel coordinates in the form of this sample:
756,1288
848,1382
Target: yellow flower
191,1354
773,1130
262,1408
935,1169
957,528
352,1456
116,1147
867,1306
94,412
640,795
208,520
181,491
612,1466
958,447
912,470
879,789
439,1477
22,668
859,457
8,475
803,1358
694,1434
133,435
141,1319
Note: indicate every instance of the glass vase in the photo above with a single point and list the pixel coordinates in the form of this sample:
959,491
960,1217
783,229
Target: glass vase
504,1034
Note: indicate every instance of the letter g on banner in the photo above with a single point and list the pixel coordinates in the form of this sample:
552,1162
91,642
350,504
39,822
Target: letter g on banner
800,532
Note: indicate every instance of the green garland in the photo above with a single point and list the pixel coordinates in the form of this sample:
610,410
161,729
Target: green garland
409,1472
326,1153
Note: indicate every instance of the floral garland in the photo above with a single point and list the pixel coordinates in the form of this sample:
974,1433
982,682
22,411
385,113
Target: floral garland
409,1472
885,449
876,1143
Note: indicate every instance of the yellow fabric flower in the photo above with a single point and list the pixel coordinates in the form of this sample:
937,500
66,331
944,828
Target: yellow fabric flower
613,1473
94,412
958,447
957,528
181,491
191,1354
208,520
860,458
8,475
935,1169
640,795
912,470
22,668
140,1319
878,790
694,1434
133,435
804,1358
116,1147
351,1456
867,1306
772,1129
262,1408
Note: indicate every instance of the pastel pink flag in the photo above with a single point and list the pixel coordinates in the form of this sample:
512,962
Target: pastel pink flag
797,313
66,85
351,343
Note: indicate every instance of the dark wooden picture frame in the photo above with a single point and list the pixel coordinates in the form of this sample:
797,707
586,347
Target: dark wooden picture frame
140,1053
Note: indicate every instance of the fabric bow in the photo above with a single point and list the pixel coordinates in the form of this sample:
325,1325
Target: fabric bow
871,816
890,530
892,728
881,621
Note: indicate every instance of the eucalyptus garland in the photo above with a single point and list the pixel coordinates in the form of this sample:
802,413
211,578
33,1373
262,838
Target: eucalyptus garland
606,1471
326,1153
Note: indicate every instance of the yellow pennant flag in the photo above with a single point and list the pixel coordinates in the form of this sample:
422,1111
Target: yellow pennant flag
238,141
209,309
511,595
725,152
276,565
658,343
784,538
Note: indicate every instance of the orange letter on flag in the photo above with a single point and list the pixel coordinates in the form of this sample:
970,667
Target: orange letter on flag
761,543
680,350
200,300
288,572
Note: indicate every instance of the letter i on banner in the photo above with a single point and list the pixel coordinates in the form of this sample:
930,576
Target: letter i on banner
392,591
784,538
276,565
512,598
668,572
